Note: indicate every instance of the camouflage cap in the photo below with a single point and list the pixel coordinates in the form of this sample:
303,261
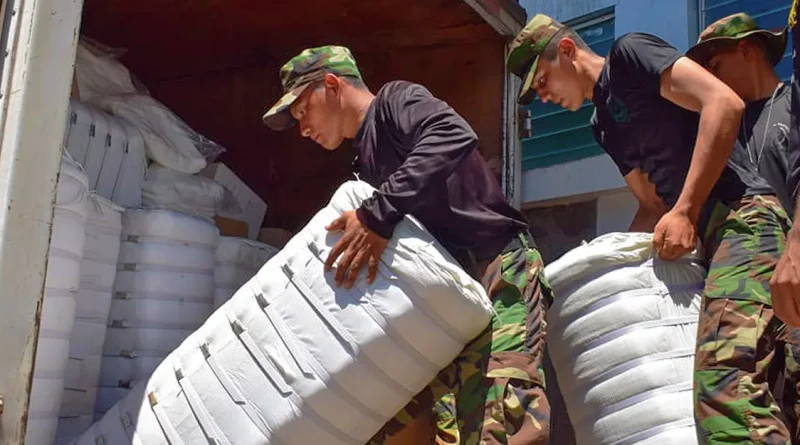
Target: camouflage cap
734,28
526,48
308,67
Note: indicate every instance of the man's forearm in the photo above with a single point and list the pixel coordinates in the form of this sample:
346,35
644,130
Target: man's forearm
645,220
716,136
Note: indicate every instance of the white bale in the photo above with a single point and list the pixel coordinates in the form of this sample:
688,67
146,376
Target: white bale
621,334
128,189
58,307
168,226
290,359
237,260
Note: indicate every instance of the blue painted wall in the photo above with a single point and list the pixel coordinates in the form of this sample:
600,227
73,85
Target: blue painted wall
675,21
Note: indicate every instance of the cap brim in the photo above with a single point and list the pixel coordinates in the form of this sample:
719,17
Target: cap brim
279,117
527,94
776,45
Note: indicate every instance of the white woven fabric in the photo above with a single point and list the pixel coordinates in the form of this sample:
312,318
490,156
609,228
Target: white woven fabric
292,360
237,260
621,334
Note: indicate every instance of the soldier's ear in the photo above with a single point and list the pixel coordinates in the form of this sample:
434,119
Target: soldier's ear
567,47
333,83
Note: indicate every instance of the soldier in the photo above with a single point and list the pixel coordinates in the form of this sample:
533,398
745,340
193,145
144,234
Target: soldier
786,281
743,56
670,126
421,156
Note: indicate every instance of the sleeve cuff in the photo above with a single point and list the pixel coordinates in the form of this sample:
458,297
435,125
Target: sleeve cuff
383,228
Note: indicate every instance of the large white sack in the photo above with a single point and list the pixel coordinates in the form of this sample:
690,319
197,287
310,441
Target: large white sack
99,73
237,260
243,252
168,140
58,306
150,225
165,188
292,360
128,188
621,334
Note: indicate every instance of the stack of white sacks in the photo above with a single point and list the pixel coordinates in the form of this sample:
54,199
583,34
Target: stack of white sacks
237,260
621,335
58,309
163,291
98,270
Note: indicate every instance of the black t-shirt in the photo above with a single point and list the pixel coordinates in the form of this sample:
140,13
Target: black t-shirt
793,178
764,140
641,129
422,157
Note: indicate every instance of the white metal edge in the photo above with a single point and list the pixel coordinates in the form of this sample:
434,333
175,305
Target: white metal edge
512,146
36,85
503,22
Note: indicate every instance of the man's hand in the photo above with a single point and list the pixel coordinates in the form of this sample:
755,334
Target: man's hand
785,282
357,245
675,235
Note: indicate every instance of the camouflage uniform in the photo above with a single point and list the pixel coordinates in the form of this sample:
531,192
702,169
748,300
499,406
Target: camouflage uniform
742,348
494,391
744,352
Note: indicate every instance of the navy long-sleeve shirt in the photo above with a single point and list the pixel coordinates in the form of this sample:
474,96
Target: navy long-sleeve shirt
421,156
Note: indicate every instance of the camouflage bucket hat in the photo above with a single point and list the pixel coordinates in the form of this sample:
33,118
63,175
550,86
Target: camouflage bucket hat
732,29
301,71
526,48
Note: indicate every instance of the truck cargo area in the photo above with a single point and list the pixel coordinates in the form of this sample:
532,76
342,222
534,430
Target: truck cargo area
216,63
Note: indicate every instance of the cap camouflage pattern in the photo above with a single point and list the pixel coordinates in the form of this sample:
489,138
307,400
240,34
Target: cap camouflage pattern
734,28
526,48
297,74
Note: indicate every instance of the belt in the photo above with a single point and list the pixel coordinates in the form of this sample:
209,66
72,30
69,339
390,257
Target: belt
476,265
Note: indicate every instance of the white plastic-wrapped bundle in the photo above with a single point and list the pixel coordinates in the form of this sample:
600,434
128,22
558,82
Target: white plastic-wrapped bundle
293,360
163,291
98,269
621,335
168,139
237,260
165,188
110,150
58,309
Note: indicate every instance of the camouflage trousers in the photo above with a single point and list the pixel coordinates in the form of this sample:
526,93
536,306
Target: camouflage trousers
493,393
746,365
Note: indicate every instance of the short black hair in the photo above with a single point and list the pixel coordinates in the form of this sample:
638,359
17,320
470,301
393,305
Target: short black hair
551,50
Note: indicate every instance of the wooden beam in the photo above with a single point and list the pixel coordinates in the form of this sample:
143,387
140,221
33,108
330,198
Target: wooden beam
505,16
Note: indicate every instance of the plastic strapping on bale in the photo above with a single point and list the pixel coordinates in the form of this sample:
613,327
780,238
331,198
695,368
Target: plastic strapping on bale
342,332
387,328
627,366
283,331
672,321
326,315
236,395
204,418
419,302
129,428
307,363
266,366
641,397
222,376
163,421
286,390
654,431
